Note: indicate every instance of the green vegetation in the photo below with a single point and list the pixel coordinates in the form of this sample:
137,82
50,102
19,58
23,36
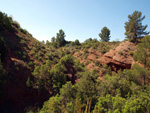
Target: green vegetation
134,28
29,82
105,34
143,51
52,105
60,70
23,31
122,92
138,103
6,22
60,38
77,42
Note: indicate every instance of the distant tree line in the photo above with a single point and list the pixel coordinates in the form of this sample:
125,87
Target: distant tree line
59,40
134,29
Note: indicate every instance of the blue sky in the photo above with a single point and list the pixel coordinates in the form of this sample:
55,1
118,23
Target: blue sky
80,19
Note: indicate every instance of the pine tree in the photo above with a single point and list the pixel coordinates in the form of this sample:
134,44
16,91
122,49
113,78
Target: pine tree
60,38
105,34
134,28
53,39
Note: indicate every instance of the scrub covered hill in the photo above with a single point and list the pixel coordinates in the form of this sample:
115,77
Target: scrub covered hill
69,76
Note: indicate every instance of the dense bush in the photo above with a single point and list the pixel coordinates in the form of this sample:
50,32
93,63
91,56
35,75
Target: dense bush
68,59
6,21
106,69
121,92
55,77
139,103
77,42
23,31
52,105
143,52
16,24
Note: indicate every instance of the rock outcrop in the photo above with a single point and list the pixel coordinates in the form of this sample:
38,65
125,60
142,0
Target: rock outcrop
119,57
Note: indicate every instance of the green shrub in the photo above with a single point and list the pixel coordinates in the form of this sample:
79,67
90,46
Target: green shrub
58,76
77,42
50,56
68,96
120,52
85,55
62,53
40,53
106,69
87,87
87,46
85,51
96,56
110,104
52,105
88,62
23,42
16,24
131,53
30,63
68,59
103,51
23,31
29,83
67,51
24,55
72,43
97,63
